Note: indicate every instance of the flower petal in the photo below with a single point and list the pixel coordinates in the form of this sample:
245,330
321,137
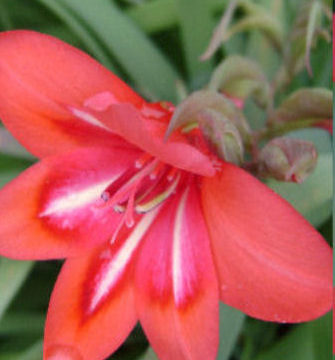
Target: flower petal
272,264
148,134
51,211
39,77
78,326
175,286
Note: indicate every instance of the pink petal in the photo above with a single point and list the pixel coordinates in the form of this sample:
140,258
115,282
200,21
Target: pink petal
148,132
40,76
272,264
175,285
51,210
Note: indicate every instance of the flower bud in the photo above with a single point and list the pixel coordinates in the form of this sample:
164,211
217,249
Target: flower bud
239,78
311,104
222,136
188,111
287,159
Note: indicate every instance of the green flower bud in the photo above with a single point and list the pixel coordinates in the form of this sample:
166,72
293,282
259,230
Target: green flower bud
188,111
222,136
287,159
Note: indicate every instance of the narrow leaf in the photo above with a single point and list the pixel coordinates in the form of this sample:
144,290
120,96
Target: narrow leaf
15,323
219,32
144,63
231,323
157,15
34,352
296,345
269,25
149,355
322,337
313,21
196,24
80,30
12,276
10,146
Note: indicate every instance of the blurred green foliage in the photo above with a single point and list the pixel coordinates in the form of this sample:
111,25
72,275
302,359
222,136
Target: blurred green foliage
155,45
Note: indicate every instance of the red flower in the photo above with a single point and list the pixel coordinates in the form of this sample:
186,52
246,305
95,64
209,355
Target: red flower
152,231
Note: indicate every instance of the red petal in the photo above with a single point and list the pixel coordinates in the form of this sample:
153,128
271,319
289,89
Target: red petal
272,264
148,134
39,77
78,326
176,287
51,210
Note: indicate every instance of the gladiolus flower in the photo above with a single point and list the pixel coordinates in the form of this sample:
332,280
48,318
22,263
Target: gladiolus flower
153,231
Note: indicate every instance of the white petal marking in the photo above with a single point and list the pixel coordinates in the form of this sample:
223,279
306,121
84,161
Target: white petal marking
181,260
73,199
87,117
117,265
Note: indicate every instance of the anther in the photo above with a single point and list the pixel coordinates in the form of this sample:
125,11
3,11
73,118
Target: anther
143,160
105,196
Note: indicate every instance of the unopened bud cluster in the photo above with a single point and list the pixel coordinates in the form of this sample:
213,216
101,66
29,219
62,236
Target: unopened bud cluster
287,159
229,136
223,125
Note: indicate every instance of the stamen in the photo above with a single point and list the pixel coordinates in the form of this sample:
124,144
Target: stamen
171,174
129,214
143,160
117,230
118,191
158,197
154,174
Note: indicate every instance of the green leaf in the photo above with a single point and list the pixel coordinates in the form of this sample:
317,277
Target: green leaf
219,31
268,24
231,323
10,146
7,176
309,341
317,206
80,30
5,19
322,337
149,355
196,24
297,345
157,15
19,323
32,353
143,62
12,276
314,20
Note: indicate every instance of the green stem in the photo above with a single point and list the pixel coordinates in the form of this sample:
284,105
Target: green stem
279,129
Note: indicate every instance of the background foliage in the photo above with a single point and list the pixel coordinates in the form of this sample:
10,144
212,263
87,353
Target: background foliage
155,45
